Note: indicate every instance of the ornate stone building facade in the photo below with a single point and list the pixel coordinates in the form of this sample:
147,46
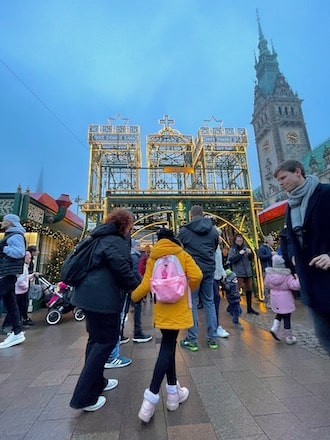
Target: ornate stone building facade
278,121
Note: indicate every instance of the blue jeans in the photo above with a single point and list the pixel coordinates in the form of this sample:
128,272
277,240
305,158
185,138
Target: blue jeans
137,318
7,293
115,352
205,292
103,331
216,297
266,291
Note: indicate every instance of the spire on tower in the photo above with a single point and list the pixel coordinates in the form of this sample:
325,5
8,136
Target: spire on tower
273,50
263,44
40,183
261,35
266,65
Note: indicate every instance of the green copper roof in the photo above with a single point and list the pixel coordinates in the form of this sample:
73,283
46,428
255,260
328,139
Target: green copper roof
314,162
266,66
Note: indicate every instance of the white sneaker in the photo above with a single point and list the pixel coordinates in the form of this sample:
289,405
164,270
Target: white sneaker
221,332
100,402
13,339
112,383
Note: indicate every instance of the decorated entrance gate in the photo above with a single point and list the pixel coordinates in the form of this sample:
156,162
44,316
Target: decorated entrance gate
210,170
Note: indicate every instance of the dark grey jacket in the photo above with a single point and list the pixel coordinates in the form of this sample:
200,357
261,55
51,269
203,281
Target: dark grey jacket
200,239
103,290
240,264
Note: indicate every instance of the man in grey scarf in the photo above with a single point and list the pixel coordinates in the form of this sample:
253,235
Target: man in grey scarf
308,235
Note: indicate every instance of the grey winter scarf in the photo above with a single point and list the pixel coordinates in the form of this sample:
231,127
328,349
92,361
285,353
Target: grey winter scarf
298,200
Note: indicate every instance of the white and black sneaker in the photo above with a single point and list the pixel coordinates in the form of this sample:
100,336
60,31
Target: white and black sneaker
142,338
124,340
118,362
100,402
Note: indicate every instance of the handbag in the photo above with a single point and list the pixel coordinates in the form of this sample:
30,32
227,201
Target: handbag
35,292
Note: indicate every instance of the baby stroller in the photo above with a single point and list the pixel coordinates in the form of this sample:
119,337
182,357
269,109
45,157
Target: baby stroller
58,302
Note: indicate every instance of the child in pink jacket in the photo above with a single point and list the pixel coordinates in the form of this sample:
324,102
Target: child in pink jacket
281,282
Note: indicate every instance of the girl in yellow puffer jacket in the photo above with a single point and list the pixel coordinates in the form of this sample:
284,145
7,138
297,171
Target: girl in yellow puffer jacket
170,319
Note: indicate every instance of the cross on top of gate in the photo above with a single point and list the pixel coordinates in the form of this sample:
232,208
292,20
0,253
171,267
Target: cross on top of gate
166,121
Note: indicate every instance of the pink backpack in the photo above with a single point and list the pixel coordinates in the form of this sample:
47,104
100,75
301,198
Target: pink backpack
168,282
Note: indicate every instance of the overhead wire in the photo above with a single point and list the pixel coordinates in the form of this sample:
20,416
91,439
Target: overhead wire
43,104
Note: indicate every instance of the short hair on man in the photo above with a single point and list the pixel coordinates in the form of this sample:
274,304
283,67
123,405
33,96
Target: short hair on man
196,210
290,166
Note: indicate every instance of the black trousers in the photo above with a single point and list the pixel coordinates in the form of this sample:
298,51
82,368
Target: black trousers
22,302
103,330
7,293
286,319
165,364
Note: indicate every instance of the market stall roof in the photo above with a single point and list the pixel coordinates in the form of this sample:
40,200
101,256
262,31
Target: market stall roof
50,203
273,212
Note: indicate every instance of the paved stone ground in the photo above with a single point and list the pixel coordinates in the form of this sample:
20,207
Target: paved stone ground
251,388
302,326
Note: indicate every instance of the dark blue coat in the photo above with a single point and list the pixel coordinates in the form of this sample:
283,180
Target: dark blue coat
265,254
315,283
103,290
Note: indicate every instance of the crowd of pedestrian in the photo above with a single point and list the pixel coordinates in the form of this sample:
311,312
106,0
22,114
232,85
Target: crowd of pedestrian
121,275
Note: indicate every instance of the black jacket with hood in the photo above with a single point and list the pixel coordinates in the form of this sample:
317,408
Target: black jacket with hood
111,275
200,239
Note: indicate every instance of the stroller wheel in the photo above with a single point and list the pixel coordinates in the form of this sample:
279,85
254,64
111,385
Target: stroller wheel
53,317
79,314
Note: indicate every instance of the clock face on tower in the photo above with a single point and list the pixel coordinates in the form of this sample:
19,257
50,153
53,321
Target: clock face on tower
292,137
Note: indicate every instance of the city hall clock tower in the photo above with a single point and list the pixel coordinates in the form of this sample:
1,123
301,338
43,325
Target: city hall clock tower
278,121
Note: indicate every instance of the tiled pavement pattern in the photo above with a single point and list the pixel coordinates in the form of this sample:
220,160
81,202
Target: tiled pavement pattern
251,388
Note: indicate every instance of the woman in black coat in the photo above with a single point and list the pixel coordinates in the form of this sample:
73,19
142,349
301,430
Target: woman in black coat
101,295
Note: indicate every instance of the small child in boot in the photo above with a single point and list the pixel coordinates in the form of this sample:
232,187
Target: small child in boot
281,282
233,297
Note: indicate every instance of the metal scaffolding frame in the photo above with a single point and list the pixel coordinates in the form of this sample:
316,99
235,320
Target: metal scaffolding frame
211,170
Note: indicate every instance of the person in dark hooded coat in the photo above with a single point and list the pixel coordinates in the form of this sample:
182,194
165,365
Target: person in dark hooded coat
101,295
200,238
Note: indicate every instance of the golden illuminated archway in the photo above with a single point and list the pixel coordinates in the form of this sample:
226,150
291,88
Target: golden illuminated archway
210,170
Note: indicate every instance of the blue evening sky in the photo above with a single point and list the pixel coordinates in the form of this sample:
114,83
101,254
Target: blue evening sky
65,64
